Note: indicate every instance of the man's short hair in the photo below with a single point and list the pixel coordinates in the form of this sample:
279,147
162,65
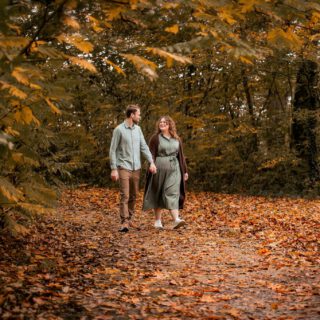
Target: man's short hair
131,108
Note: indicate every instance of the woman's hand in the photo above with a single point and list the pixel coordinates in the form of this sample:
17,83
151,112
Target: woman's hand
186,177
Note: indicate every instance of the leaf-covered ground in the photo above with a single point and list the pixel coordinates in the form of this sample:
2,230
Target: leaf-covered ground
238,258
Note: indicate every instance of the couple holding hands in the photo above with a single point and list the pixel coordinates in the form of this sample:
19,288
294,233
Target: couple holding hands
165,183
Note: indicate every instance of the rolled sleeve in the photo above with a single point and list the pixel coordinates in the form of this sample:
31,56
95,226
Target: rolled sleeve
113,148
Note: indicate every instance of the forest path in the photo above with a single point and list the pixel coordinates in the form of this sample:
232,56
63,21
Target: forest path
80,267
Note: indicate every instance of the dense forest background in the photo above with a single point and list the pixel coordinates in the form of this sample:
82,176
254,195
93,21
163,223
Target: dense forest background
240,78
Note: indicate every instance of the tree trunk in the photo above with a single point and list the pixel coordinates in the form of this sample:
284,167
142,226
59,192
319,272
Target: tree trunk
305,107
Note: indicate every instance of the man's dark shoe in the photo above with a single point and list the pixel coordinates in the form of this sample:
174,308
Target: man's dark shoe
124,227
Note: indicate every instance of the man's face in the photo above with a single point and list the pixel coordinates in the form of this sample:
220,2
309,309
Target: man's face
136,116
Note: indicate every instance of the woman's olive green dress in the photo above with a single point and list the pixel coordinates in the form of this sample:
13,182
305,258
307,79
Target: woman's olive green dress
164,188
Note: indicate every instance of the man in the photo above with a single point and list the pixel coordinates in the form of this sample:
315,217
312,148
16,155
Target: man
126,145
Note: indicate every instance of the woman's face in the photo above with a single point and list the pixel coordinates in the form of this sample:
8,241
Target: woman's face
163,124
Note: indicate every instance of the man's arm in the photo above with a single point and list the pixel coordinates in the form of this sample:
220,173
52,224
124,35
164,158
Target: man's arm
112,154
146,152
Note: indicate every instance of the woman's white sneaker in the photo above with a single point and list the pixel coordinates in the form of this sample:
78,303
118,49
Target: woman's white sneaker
158,224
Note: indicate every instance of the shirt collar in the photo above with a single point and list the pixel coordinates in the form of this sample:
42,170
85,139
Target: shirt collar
126,125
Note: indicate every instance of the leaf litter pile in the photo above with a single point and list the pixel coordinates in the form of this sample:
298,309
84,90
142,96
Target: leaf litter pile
238,257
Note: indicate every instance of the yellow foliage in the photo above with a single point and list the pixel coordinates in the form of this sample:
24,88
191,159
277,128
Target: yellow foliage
143,65
95,24
36,44
35,208
226,15
245,60
284,39
77,41
11,132
169,5
315,37
22,159
20,75
169,56
25,115
53,108
133,4
114,14
34,86
117,68
71,4
14,91
173,29
15,28
315,17
71,22
248,5
22,78
83,64
14,42
272,163
10,191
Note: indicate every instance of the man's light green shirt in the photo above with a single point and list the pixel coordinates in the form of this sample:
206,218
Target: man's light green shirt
126,146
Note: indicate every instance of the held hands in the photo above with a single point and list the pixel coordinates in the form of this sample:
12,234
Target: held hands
186,177
153,168
114,175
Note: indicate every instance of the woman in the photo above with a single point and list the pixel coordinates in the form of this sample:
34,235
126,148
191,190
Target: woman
166,188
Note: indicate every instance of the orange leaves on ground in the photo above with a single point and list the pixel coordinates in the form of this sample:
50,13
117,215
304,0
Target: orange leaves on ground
238,257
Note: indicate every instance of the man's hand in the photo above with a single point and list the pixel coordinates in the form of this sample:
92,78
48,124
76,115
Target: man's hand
114,175
186,177
153,168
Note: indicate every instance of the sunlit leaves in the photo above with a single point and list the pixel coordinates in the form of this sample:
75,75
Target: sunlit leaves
170,57
173,29
143,65
13,42
97,25
9,191
23,76
77,41
22,159
13,90
114,13
71,22
53,108
248,5
83,64
25,115
117,68
226,14
284,39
